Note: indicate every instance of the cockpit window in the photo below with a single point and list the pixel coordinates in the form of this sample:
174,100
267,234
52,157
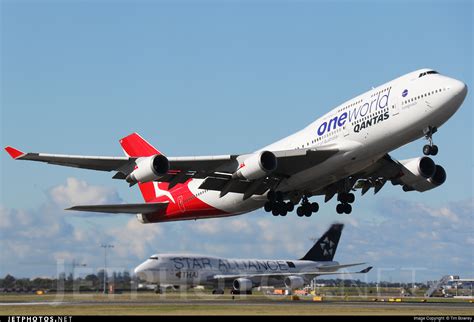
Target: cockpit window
427,73
154,257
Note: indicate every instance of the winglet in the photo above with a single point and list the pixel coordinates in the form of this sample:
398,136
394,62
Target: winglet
14,153
366,270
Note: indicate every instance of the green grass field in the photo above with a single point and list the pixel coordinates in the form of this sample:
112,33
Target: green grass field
152,304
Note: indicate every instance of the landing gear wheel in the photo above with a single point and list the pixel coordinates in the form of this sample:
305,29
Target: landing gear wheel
283,213
427,150
314,207
340,208
275,212
290,206
299,211
430,149
268,206
347,208
350,197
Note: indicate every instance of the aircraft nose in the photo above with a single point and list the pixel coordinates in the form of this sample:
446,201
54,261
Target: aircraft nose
140,271
459,89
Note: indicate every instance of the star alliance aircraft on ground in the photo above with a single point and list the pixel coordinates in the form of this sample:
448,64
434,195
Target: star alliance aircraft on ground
244,274
344,150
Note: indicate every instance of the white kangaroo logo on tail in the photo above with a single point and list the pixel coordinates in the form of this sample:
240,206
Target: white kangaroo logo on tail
160,192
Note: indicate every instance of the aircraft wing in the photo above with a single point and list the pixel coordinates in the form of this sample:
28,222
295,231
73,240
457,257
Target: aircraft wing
216,170
289,162
76,161
375,176
124,165
309,274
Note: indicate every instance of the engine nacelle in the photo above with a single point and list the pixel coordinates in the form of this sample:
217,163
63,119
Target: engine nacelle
421,174
293,282
423,167
149,169
257,166
437,179
242,284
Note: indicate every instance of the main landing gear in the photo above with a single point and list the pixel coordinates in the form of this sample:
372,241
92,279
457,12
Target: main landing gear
307,208
345,200
278,207
430,149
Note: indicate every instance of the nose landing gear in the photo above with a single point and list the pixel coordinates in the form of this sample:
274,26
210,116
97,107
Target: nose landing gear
430,149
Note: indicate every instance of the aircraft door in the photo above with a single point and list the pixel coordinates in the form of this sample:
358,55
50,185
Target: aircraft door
346,129
394,106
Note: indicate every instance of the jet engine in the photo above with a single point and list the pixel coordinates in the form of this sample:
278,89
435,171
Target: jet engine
256,166
421,174
293,282
242,284
149,169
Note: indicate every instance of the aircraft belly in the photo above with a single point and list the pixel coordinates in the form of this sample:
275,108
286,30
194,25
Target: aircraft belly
330,171
231,203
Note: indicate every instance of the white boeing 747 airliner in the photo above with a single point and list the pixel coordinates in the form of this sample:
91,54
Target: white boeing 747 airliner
244,274
344,150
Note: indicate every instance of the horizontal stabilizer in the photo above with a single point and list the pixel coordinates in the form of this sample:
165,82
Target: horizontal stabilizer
308,274
134,208
366,270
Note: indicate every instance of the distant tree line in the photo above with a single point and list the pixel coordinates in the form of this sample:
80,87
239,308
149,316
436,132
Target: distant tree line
92,283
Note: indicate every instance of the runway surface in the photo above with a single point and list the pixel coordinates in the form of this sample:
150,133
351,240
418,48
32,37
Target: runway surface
367,304
227,306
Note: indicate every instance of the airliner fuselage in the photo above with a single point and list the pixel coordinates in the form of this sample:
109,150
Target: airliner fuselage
344,150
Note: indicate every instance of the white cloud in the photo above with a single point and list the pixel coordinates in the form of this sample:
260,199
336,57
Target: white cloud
135,239
405,233
209,227
445,213
78,192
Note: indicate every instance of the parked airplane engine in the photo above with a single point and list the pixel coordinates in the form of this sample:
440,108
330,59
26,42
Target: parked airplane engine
149,169
294,282
421,174
242,284
256,166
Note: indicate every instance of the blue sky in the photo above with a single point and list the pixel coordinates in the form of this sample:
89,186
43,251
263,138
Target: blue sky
218,77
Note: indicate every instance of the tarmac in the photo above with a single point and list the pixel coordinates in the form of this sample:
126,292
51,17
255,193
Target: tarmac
223,305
